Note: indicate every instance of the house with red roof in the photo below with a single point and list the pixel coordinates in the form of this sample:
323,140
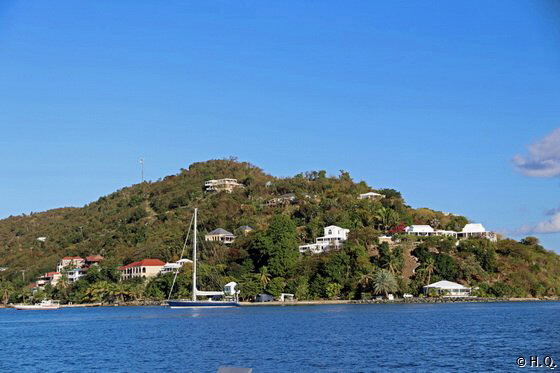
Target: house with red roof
144,268
70,262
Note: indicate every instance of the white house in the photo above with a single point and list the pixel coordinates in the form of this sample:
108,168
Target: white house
69,262
218,185
471,230
74,274
173,267
420,230
333,238
476,230
221,235
371,195
448,289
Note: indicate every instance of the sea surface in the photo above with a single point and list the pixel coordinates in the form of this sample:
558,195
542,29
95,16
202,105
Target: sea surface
464,337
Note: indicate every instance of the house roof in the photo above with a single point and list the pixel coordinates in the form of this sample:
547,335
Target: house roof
51,274
143,263
446,285
72,258
94,258
245,228
218,231
474,228
334,227
371,194
419,228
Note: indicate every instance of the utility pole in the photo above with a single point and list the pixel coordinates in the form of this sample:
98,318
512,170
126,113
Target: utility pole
142,166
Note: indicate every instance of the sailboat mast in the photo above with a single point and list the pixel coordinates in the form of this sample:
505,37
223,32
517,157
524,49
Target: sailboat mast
194,258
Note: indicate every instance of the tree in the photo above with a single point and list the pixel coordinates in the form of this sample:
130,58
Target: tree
333,290
384,282
386,217
264,276
276,248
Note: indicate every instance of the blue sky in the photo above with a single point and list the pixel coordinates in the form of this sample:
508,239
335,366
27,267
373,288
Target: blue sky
439,100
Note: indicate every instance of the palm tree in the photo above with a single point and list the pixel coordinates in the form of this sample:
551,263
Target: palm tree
386,217
6,290
429,267
366,279
264,276
385,282
98,291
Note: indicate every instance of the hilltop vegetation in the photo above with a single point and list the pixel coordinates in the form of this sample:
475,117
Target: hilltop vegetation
150,220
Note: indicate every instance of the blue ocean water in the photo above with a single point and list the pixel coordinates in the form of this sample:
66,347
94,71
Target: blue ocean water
465,337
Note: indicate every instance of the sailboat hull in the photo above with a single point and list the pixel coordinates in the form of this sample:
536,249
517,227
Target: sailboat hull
200,304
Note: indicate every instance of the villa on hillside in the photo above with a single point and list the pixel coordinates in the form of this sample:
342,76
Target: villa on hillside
333,239
49,278
245,229
144,268
371,195
283,200
175,266
471,230
448,289
219,185
220,235
70,261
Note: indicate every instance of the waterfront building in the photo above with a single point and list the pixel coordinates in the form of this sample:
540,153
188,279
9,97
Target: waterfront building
220,235
448,289
333,238
144,268
218,185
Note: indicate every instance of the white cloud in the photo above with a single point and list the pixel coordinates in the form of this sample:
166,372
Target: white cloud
551,225
543,159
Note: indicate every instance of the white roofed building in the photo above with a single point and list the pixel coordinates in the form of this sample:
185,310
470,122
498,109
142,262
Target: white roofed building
371,195
219,185
333,238
174,266
448,289
476,230
420,230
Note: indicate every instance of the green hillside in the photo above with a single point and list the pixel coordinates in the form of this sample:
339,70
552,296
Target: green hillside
150,220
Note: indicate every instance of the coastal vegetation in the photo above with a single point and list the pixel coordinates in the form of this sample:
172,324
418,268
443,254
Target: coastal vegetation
150,220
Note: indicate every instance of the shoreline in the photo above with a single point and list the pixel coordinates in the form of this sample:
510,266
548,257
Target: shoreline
323,302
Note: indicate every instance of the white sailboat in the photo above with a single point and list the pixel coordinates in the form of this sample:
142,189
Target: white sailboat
229,289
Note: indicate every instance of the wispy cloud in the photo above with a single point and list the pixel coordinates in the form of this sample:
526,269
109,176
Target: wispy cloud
543,158
551,225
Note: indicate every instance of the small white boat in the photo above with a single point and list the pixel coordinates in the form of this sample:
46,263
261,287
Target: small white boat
44,305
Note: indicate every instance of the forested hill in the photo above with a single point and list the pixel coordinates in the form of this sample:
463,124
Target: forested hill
150,220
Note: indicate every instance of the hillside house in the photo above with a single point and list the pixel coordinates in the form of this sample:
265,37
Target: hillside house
70,262
472,230
371,195
333,238
245,229
175,266
220,235
218,185
145,268
283,200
